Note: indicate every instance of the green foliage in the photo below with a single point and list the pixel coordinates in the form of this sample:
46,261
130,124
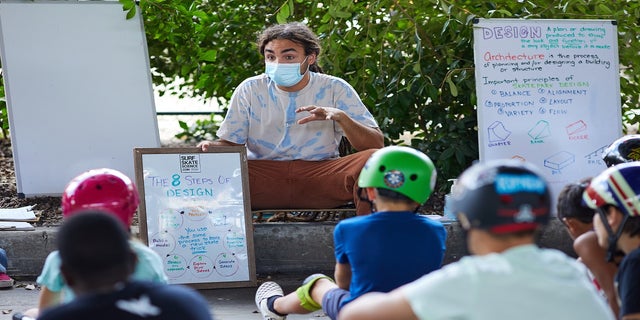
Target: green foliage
410,60
4,116
202,129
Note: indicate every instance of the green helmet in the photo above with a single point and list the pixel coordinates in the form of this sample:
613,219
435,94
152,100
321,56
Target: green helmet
400,169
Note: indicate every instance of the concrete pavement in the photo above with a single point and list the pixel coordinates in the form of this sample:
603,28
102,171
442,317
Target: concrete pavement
225,304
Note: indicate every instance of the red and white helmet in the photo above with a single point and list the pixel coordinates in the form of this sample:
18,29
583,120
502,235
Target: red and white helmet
101,189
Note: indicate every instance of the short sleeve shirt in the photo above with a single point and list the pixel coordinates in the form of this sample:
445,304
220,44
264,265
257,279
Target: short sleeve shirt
628,283
388,249
135,301
149,268
524,283
262,117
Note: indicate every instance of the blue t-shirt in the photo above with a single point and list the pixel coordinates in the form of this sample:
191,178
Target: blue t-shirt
388,249
628,283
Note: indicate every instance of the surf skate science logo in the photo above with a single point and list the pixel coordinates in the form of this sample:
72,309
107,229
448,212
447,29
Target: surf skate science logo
190,163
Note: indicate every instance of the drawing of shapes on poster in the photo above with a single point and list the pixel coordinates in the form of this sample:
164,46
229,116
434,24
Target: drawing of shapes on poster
576,128
559,160
595,156
540,130
497,132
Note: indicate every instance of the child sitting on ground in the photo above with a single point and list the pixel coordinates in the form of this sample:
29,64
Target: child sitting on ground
378,252
102,281
5,280
99,189
578,218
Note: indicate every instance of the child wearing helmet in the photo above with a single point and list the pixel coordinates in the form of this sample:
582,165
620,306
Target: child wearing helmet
622,150
501,206
615,195
99,189
103,282
577,217
401,245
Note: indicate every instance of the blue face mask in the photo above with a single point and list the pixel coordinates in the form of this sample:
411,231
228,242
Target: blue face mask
285,74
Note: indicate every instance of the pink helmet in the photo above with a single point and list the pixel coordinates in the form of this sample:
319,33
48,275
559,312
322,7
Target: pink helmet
101,189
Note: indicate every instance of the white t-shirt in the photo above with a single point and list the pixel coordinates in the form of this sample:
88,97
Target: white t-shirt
522,283
263,117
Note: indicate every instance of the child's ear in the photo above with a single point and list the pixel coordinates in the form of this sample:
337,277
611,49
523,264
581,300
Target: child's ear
371,193
574,226
614,217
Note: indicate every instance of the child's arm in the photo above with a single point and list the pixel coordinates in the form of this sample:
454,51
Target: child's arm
593,256
342,275
48,298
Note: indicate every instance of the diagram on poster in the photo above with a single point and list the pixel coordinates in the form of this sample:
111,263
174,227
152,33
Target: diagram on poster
195,213
548,93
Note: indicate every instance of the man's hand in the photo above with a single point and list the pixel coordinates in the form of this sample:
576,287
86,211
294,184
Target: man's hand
205,145
320,113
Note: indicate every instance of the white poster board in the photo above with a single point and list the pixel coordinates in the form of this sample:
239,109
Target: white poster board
78,88
548,93
195,212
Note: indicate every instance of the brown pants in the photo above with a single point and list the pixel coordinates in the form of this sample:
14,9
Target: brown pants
302,184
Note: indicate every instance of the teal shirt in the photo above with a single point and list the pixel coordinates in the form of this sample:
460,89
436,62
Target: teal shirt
148,268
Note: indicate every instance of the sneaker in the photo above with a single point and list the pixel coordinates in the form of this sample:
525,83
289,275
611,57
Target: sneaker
265,291
5,281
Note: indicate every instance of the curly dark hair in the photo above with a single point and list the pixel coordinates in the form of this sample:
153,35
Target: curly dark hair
570,202
296,32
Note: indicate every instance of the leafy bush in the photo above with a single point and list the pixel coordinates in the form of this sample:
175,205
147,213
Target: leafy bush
202,129
410,60
4,115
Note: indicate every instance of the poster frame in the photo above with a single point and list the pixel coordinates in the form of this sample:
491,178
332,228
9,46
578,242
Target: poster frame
210,155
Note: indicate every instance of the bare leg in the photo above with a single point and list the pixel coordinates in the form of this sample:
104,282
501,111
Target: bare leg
290,304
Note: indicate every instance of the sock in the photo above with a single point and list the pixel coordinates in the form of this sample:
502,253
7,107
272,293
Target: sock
270,306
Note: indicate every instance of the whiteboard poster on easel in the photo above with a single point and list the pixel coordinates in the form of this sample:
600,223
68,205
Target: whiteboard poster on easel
548,93
196,214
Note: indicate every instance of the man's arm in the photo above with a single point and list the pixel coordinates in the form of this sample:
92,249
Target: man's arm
204,145
378,306
360,136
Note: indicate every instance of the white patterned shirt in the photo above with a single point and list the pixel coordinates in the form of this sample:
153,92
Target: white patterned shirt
262,117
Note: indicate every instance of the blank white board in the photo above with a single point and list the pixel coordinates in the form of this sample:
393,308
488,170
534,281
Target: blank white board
78,88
